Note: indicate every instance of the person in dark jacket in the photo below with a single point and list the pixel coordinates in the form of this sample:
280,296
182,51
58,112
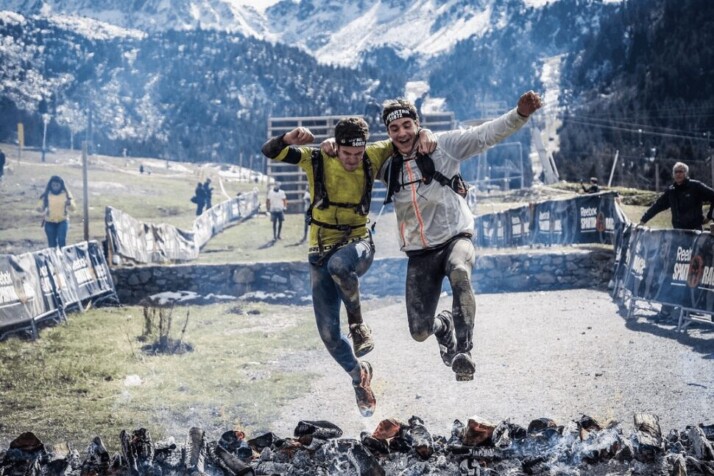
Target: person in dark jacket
199,198
208,193
684,198
592,188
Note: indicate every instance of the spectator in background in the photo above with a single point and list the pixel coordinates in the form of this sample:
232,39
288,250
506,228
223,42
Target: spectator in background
2,164
276,203
208,193
684,198
306,206
418,104
592,188
56,203
141,168
199,198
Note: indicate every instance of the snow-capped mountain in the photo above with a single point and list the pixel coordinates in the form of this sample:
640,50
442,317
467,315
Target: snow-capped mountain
153,15
333,31
340,32
197,81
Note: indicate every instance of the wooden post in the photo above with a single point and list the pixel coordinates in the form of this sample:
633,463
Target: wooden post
612,171
85,191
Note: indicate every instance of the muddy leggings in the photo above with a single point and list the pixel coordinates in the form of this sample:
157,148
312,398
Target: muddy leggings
425,274
333,281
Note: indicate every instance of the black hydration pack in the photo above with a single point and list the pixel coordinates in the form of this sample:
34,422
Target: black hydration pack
322,201
428,173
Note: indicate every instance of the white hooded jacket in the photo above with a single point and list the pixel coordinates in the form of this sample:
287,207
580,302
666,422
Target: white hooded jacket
429,215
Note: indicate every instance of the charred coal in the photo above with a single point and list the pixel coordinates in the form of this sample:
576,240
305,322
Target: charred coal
477,447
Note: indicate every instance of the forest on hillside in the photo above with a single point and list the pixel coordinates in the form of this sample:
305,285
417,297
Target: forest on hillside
647,95
189,95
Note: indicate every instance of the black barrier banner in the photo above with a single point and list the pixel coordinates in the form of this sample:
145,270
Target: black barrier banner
50,263
493,230
89,270
500,230
45,271
81,273
485,230
102,278
622,252
519,226
700,276
595,218
42,283
659,265
555,222
20,295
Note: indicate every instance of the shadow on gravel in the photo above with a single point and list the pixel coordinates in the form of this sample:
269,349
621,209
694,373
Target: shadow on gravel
702,342
268,244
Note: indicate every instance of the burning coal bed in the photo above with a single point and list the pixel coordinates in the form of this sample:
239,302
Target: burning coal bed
581,447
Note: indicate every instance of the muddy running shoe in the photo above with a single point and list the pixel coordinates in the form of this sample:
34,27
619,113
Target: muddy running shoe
446,338
365,397
464,367
361,339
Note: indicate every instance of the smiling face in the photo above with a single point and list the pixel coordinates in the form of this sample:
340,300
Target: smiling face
403,133
350,157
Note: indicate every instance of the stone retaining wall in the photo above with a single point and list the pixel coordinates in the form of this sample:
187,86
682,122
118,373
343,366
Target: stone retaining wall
535,270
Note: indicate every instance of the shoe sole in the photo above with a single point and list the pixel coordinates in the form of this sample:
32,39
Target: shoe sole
364,350
368,412
464,377
463,367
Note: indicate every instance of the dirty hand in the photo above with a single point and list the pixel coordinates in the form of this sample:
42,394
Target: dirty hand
299,136
529,103
329,147
427,141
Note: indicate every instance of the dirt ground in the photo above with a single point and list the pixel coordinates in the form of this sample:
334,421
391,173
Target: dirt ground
557,354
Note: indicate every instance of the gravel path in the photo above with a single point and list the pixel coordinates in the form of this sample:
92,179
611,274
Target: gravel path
558,354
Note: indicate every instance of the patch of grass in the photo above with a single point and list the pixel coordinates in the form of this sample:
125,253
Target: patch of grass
71,384
162,197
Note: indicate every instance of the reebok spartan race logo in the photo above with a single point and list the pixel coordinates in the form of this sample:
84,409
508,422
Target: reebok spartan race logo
600,224
696,272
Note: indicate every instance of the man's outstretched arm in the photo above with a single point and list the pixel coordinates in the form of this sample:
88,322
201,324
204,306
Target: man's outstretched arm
297,136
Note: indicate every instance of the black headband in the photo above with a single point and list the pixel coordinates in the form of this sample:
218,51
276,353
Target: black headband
398,114
352,141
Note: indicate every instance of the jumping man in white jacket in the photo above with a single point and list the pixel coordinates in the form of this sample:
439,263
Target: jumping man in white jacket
436,225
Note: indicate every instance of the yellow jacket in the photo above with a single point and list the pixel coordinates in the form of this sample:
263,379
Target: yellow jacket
58,206
342,187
